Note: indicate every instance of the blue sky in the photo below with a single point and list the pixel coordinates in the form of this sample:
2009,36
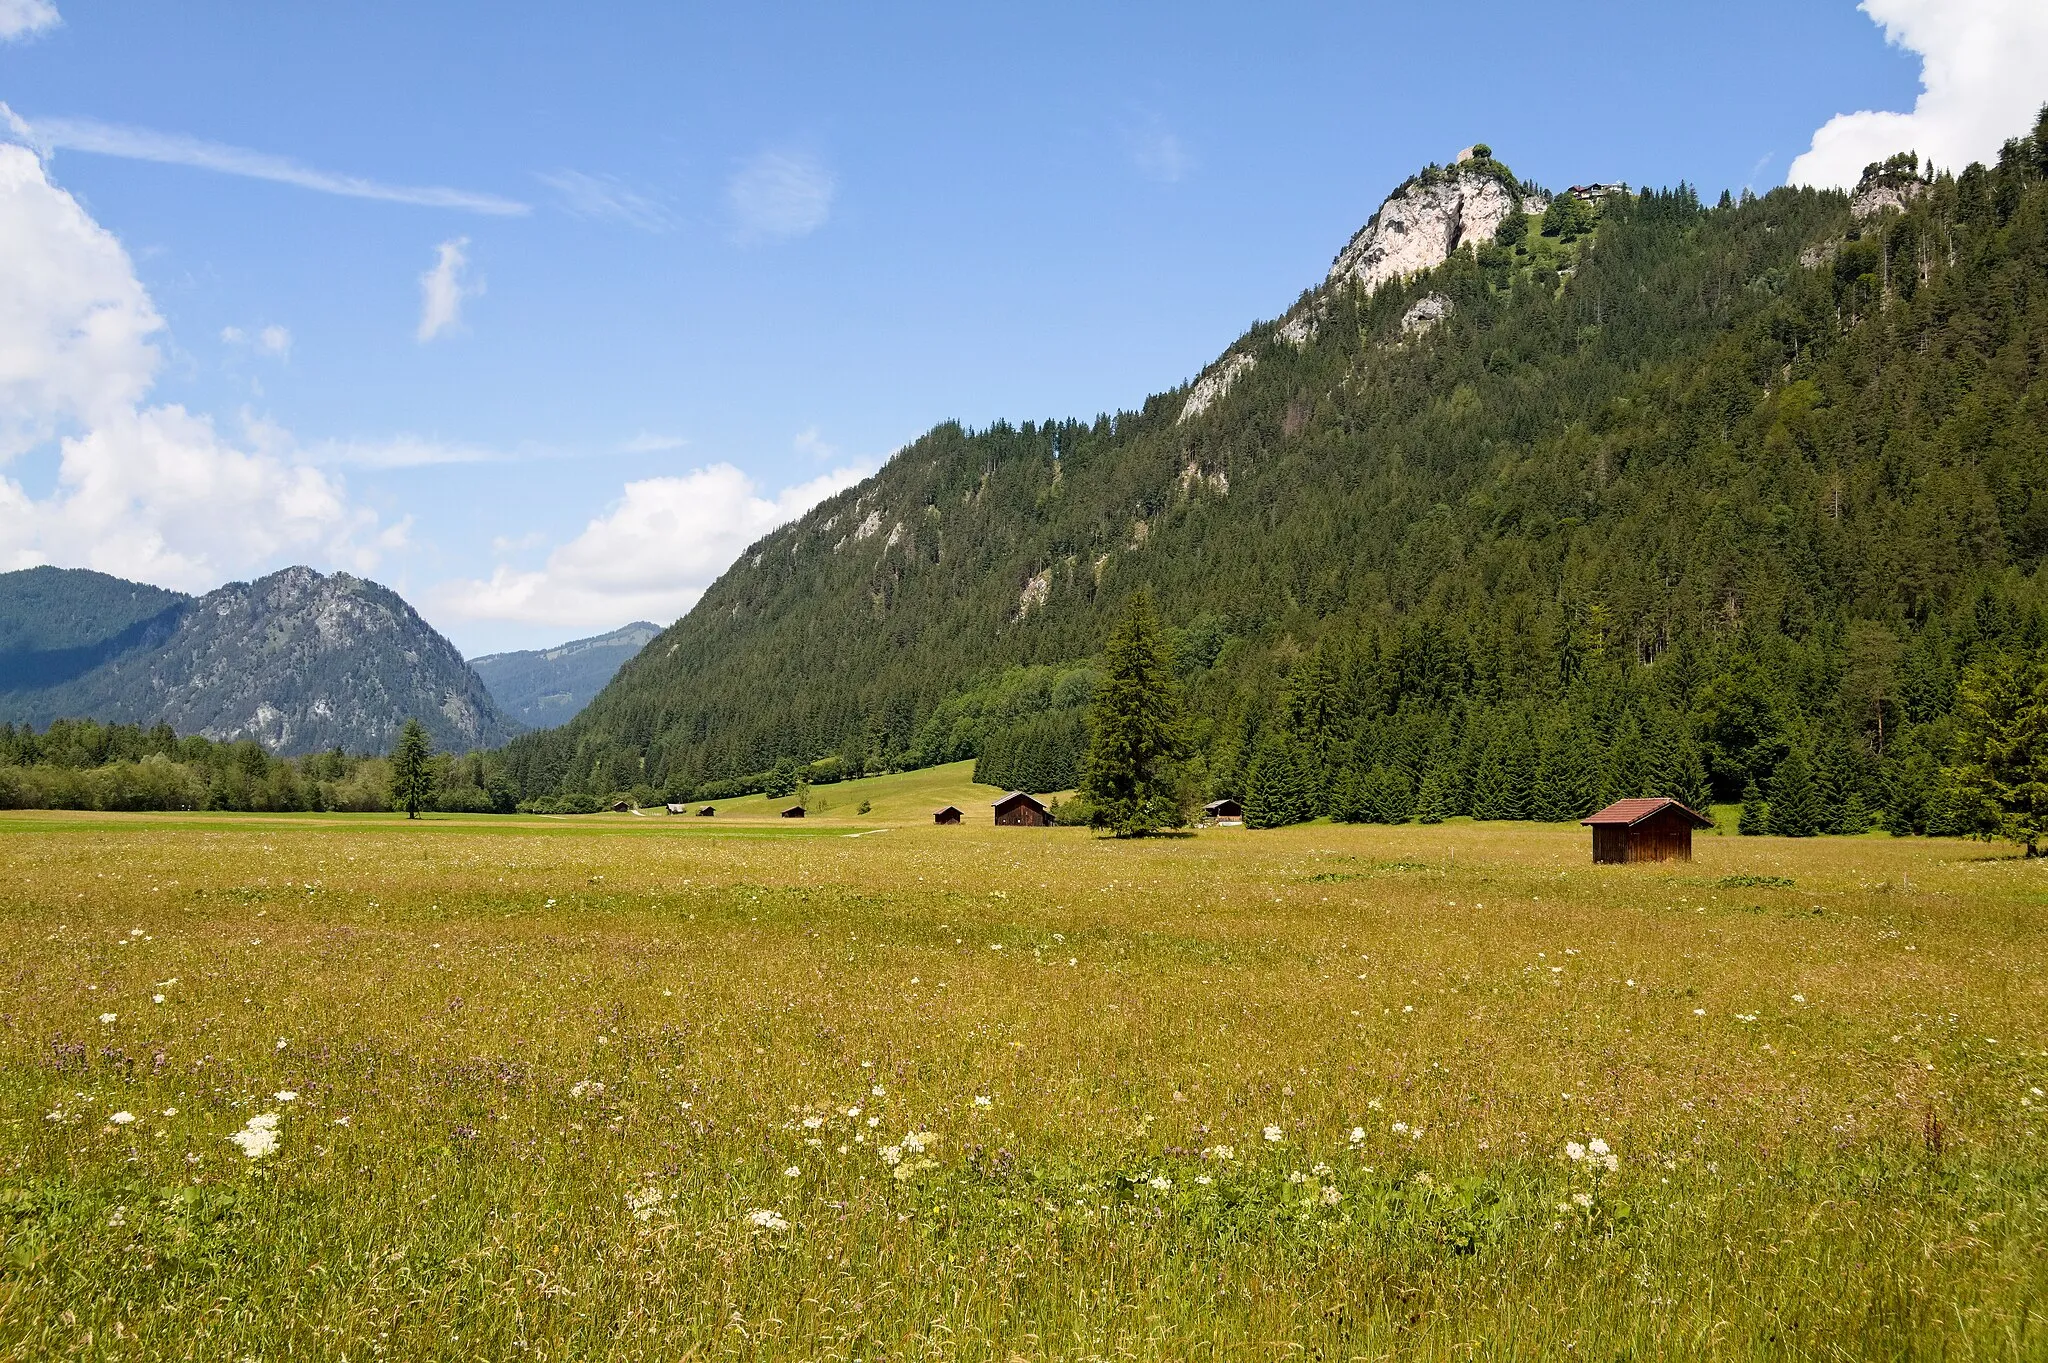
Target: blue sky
539,313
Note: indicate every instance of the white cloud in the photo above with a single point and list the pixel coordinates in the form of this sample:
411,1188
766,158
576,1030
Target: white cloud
650,556
780,194
175,149
26,18
607,198
75,322
649,442
442,289
1983,75
809,441
147,492
270,340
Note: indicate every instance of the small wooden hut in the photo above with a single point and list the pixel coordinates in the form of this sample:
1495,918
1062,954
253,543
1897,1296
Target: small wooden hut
675,808
707,811
1644,830
1018,810
950,814
793,812
622,807
1224,811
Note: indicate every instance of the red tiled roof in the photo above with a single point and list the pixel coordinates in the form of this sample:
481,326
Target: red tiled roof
1629,813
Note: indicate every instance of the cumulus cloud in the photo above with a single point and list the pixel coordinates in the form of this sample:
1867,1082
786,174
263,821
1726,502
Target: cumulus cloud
151,492
780,194
606,198
1983,76
651,555
26,18
176,149
443,288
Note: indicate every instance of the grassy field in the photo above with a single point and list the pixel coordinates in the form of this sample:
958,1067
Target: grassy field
619,1087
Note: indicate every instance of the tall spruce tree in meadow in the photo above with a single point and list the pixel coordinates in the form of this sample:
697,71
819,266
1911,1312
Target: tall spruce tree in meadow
1131,777
1276,793
1796,809
1999,779
1756,815
412,772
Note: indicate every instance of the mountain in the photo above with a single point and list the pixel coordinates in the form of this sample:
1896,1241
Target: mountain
296,660
539,687
1633,491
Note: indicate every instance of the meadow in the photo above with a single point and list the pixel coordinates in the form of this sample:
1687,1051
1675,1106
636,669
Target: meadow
621,1087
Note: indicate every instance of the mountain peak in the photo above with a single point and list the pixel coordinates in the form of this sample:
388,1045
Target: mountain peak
1431,215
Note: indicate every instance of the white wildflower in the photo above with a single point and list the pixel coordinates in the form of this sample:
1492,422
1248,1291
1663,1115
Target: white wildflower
767,1220
281,1043
122,1118
1222,1152
1160,1182
1597,1146
1400,1128
644,1202
258,1137
1357,1135
1273,1133
583,1087
891,1154
1331,1195
156,998
1204,1180
813,1123
170,1112
916,1141
286,1095
1574,1152
853,1112
1799,998
983,1100
110,1018
1582,1199
792,1172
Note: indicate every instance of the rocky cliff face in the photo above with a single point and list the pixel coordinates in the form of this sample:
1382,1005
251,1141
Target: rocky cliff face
1425,220
298,661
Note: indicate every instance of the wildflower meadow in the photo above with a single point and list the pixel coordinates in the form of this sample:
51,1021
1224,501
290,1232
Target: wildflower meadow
620,1088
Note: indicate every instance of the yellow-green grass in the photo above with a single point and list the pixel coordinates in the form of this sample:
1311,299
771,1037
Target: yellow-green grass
1815,1063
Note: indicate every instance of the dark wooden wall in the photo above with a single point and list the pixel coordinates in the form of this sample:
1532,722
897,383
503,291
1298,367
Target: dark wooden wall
1666,837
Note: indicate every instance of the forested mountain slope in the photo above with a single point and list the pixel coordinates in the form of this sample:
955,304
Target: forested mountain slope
300,662
1641,492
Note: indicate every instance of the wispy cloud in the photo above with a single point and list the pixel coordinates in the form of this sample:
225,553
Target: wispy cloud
1157,151
175,149
809,441
396,452
647,442
780,194
442,289
606,198
270,340
26,18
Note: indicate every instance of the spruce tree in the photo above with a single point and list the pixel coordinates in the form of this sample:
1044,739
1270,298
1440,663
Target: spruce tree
1691,787
1275,793
1796,810
2000,776
1756,815
1131,776
412,775
1627,775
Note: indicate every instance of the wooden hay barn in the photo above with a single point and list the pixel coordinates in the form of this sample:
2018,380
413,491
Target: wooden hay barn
950,814
1018,810
622,807
707,811
676,808
1644,830
1224,811
793,812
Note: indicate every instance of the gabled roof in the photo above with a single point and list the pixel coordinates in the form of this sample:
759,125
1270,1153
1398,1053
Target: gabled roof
1215,805
946,809
1629,813
1016,795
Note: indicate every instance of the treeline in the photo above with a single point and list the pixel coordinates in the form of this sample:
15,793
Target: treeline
82,764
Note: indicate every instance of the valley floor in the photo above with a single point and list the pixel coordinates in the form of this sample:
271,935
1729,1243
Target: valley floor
629,1088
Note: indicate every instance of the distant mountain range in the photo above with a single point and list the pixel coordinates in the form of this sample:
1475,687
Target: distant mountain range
299,661
548,686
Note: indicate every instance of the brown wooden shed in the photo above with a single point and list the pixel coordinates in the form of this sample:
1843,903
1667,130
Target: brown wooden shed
1644,830
1224,811
950,814
793,812
1018,810
707,811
